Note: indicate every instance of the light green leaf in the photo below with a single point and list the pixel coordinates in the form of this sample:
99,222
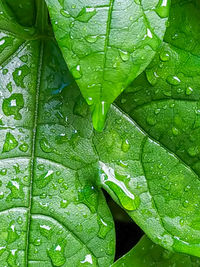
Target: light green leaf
146,253
52,212
107,44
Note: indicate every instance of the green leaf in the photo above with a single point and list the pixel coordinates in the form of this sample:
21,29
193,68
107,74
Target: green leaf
52,212
146,253
164,102
23,10
53,165
107,44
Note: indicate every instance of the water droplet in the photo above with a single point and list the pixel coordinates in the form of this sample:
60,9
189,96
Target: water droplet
19,220
44,179
37,242
91,38
125,146
46,231
127,199
3,171
88,196
9,87
4,71
65,186
10,143
152,77
189,90
151,120
23,147
12,233
175,131
1,195
86,14
124,55
16,189
63,203
65,13
56,254
76,72
173,80
45,146
157,111
19,74
12,257
24,58
13,105
185,203
163,8
187,188
164,56
88,259
104,227
193,151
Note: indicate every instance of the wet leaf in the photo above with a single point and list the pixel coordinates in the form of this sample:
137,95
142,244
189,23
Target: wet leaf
146,253
107,44
52,212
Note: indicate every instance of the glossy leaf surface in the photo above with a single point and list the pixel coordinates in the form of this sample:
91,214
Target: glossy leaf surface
146,253
53,164
164,101
107,44
51,211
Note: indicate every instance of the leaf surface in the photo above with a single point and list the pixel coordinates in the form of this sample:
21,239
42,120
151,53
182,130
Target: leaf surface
146,253
51,211
164,101
53,164
107,44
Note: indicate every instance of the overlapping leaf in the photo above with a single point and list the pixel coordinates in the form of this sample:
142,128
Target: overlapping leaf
146,253
107,44
53,163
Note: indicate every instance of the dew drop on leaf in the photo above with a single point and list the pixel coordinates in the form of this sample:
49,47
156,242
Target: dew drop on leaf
91,38
163,8
45,231
173,80
65,13
164,56
76,72
125,145
56,254
124,55
44,179
86,14
12,233
13,105
126,198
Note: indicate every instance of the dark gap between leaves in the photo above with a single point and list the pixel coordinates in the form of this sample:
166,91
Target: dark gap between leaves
128,233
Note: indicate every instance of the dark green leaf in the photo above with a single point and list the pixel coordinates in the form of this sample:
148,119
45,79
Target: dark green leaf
107,44
146,253
23,10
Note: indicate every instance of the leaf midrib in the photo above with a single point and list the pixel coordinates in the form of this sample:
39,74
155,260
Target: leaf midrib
36,108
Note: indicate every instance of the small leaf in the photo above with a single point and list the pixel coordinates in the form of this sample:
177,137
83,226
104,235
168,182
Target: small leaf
107,44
